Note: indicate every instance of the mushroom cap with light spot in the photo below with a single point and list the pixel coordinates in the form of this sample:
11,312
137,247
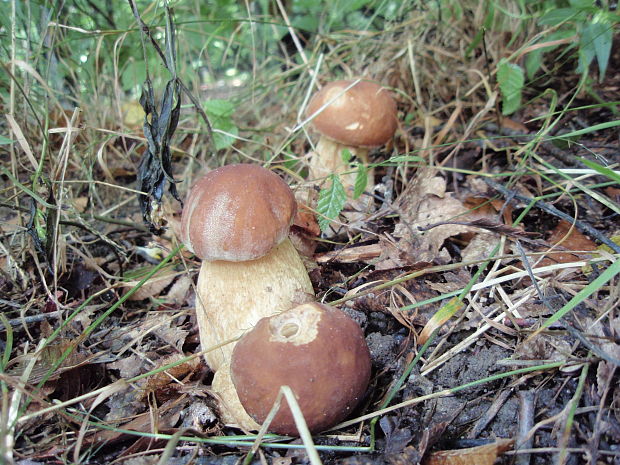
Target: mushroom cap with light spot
316,350
362,116
237,213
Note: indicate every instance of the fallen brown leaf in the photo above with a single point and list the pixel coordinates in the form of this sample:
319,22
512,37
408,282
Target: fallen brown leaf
153,287
425,202
172,375
480,455
568,238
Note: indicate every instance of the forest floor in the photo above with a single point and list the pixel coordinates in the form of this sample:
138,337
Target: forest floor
480,274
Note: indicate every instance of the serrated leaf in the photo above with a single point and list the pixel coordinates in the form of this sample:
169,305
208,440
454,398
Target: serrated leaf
346,155
331,202
361,180
511,79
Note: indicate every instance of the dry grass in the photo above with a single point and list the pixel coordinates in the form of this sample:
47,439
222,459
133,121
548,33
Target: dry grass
99,358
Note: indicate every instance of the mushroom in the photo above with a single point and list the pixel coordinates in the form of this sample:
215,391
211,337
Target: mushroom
316,350
362,115
236,219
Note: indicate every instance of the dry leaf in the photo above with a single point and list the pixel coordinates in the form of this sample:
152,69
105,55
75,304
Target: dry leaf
133,114
168,330
613,193
153,287
480,247
442,315
282,461
171,375
425,202
606,341
514,125
543,347
355,254
305,219
48,357
571,239
178,291
80,203
480,455
168,416
131,366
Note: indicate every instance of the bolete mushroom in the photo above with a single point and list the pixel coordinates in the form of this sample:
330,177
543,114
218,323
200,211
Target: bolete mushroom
354,116
316,350
236,219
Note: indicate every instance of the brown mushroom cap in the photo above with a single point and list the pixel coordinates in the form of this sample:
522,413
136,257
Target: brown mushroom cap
316,350
363,116
237,213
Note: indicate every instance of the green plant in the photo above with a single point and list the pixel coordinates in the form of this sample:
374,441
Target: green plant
588,22
592,24
220,114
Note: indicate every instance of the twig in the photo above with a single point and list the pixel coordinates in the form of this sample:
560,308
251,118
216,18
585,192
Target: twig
526,423
490,413
584,227
568,325
32,319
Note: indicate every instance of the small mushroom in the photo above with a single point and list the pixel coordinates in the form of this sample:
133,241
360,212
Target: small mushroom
360,117
236,219
316,350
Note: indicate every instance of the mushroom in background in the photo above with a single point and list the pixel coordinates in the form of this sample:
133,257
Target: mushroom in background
236,219
316,350
361,116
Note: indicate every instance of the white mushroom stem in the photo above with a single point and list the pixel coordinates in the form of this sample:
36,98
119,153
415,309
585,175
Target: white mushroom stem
232,297
232,412
327,159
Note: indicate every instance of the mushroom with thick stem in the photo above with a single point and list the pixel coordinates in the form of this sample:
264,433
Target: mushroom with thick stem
236,219
349,115
316,350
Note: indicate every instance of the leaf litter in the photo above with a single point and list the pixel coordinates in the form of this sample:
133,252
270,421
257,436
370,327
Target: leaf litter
393,274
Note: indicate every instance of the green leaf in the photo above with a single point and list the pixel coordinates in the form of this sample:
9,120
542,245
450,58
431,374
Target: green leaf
582,4
559,15
308,23
219,107
352,5
589,129
582,295
5,140
220,113
533,59
331,202
133,75
361,180
346,155
611,174
586,49
511,79
598,38
487,25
